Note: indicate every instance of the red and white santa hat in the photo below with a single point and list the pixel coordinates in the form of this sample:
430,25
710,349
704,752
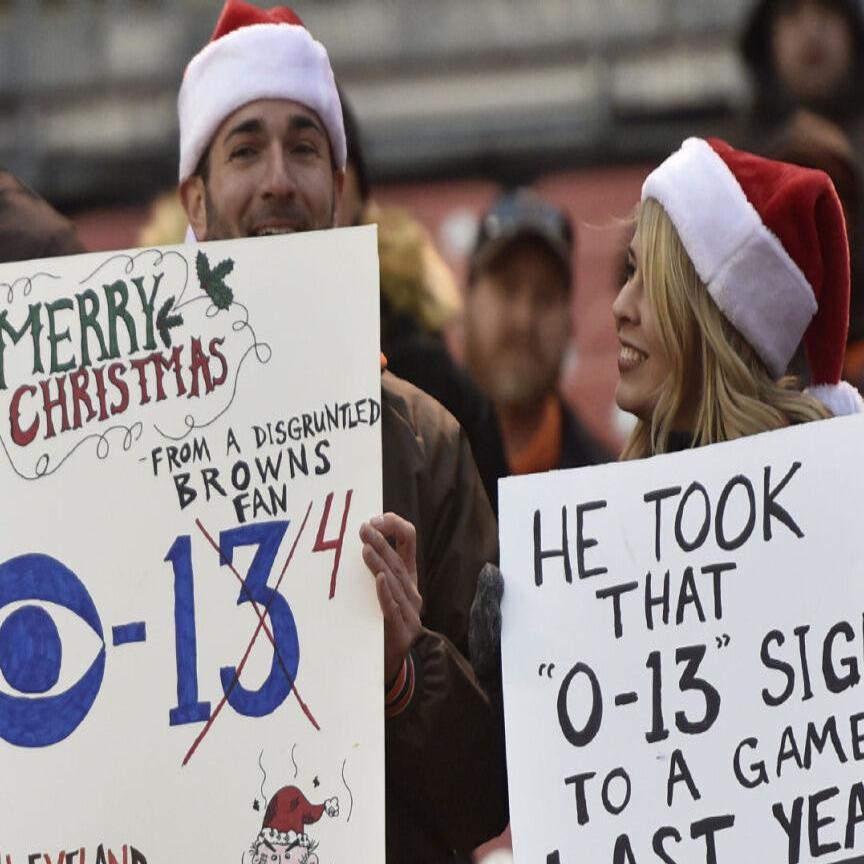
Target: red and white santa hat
255,54
288,814
768,239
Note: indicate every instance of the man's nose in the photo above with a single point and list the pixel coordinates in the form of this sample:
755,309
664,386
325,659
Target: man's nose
278,180
522,309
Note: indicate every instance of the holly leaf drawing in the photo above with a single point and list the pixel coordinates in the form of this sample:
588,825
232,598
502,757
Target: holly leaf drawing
165,321
212,280
223,268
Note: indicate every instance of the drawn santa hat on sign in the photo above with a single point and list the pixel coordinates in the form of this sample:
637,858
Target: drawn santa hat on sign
768,239
288,814
255,54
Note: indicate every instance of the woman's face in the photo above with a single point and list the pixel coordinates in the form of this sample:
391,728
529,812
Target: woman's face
643,364
812,47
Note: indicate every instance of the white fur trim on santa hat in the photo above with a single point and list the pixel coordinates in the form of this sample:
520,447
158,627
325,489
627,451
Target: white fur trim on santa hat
840,399
259,61
284,838
752,278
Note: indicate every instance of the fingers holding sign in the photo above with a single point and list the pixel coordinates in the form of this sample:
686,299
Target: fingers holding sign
389,550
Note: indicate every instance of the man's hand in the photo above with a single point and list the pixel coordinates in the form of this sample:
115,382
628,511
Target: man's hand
331,806
395,572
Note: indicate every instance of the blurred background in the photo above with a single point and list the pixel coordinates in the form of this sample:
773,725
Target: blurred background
457,100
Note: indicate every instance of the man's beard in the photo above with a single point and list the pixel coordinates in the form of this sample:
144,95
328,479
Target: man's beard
218,229
512,378
513,387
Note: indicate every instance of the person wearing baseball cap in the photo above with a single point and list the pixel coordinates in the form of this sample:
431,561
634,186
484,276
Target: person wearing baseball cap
736,260
263,151
517,329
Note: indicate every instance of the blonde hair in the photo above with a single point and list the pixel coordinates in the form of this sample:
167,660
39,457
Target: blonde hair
733,392
415,279
166,221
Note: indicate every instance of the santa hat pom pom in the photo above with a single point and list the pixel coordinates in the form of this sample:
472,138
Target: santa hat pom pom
839,399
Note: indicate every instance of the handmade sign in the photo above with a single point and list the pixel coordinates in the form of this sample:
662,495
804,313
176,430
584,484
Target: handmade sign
683,646
190,643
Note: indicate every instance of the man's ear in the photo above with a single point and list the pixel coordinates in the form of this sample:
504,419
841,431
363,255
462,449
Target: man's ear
193,196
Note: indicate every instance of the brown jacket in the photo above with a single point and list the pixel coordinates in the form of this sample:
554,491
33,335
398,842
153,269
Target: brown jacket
445,772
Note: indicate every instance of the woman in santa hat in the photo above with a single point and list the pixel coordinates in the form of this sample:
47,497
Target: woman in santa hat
735,260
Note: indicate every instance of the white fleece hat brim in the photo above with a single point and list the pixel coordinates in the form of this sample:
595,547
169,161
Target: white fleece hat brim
258,61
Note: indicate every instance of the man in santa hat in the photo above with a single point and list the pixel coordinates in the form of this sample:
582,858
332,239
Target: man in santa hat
262,151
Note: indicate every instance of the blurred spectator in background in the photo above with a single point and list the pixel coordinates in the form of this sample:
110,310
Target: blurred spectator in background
166,221
415,280
418,297
814,142
355,194
30,227
517,327
805,54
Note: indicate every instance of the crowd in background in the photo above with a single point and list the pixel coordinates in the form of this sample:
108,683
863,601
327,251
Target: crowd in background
491,342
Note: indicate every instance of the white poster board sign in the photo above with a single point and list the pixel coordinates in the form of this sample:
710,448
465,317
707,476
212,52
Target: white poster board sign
683,646
190,644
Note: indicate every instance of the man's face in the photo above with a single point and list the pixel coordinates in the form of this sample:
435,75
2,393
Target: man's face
517,323
269,171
